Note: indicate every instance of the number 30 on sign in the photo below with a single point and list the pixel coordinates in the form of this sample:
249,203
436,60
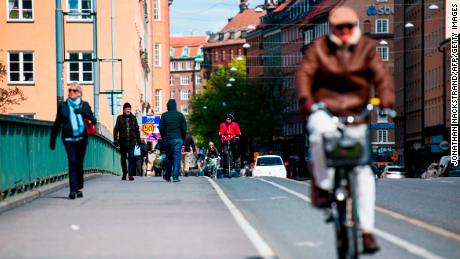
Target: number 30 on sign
147,128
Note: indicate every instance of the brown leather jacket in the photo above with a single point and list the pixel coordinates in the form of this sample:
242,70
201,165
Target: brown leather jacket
342,77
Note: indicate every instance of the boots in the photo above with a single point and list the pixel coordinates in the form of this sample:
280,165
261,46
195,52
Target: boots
369,244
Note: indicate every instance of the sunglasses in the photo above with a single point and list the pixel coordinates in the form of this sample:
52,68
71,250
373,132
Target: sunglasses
73,90
346,25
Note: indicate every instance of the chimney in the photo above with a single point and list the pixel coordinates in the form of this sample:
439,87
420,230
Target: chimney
244,4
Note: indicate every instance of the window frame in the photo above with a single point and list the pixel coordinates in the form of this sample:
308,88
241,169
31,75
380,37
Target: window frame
21,67
80,67
184,79
157,10
158,103
184,95
20,12
387,53
79,18
387,26
382,136
157,49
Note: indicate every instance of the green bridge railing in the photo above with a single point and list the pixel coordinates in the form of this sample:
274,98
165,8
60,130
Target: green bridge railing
26,161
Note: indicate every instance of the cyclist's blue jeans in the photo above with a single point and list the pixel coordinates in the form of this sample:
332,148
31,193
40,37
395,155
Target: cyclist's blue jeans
320,123
173,157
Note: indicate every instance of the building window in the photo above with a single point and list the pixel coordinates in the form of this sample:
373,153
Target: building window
20,10
179,66
197,66
171,52
157,54
381,26
239,53
172,66
21,67
223,55
156,10
198,80
158,101
184,94
185,51
82,70
367,26
188,65
79,6
171,80
383,51
184,80
232,53
381,118
216,56
382,136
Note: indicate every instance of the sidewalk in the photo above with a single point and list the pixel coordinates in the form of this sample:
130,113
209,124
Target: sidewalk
146,218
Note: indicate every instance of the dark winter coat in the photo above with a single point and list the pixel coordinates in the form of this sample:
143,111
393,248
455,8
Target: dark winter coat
172,123
126,131
63,119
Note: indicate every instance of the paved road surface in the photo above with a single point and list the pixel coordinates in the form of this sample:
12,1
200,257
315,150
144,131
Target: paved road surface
149,218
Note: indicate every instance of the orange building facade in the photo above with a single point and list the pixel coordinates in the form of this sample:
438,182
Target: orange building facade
139,37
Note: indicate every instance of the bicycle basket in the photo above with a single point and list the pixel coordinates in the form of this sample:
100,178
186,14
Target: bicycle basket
344,150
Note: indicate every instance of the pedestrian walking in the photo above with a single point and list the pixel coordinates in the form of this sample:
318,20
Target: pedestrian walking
140,157
158,164
173,129
126,135
70,117
188,158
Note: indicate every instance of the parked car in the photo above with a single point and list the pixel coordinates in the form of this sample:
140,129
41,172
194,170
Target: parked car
269,165
393,172
431,171
447,169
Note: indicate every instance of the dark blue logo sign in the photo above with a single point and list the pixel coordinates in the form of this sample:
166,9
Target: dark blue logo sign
372,10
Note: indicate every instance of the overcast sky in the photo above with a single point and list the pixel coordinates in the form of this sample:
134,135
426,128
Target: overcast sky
199,16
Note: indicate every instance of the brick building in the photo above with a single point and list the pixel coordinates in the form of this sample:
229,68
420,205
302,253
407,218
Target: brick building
186,68
421,85
228,43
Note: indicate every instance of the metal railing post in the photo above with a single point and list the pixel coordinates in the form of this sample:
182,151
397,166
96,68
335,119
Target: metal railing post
59,52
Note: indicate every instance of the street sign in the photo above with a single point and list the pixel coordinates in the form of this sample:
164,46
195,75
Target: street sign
147,128
155,120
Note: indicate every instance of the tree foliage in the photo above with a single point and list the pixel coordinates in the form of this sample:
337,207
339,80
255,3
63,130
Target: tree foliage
9,95
256,104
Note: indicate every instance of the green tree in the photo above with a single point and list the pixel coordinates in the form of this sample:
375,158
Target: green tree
9,95
256,104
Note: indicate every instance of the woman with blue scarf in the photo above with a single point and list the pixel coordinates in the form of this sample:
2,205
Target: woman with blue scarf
70,115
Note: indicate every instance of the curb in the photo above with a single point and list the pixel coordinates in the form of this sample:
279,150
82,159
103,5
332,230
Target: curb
29,196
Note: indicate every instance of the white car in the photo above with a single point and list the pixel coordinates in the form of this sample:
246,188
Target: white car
271,165
393,172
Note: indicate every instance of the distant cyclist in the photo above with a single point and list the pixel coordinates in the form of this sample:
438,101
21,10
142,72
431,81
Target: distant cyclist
229,131
338,70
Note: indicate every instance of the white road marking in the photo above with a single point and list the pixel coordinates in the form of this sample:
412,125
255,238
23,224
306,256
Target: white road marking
74,227
438,230
446,181
414,249
308,244
278,198
411,248
259,243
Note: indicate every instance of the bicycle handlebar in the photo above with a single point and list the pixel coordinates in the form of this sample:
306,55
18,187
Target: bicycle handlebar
356,118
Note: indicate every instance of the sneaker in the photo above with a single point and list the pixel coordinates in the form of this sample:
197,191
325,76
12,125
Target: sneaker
72,195
176,179
369,244
79,194
167,179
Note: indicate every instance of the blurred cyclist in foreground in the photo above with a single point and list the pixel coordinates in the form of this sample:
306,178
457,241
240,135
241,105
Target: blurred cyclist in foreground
339,70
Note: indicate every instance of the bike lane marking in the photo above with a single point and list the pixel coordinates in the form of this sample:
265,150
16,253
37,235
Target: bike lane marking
411,248
418,223
259,243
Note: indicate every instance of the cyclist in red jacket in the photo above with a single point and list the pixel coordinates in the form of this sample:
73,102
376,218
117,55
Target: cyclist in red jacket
229,132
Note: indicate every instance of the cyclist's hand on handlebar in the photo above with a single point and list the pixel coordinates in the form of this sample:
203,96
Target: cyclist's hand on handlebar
306,105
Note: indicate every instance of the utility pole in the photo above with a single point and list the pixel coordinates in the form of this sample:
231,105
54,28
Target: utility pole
59,52
95,62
